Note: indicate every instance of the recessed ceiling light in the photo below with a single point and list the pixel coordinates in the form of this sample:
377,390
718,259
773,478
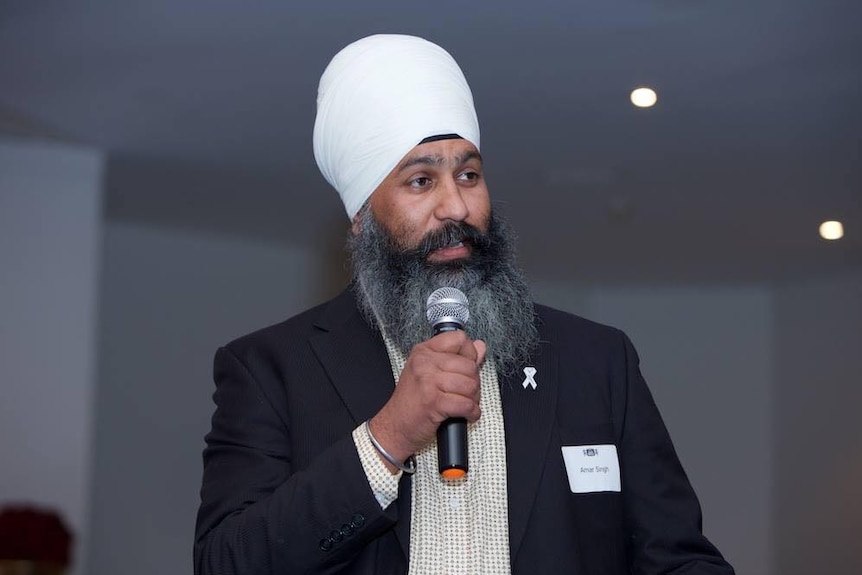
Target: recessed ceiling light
831,230
643,97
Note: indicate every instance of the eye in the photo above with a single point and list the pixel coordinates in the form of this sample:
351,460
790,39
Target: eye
469,176
420,182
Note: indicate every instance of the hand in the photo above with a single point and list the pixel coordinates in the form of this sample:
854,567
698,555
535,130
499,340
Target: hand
440,380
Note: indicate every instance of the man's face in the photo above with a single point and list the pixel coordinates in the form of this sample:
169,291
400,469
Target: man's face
435,184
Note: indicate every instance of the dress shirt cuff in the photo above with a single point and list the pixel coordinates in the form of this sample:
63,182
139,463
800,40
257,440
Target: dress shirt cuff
383,484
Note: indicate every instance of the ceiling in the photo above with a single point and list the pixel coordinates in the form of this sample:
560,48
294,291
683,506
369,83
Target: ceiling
206,110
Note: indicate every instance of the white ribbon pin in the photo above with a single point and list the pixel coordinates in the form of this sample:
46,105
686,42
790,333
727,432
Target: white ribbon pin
530,372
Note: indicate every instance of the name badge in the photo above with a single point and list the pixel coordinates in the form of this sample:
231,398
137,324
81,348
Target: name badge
592,468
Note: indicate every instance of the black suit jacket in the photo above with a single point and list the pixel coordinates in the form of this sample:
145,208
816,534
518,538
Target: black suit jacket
284,491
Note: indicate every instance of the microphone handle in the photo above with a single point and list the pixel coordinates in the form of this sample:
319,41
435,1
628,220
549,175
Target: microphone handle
452,433
452,448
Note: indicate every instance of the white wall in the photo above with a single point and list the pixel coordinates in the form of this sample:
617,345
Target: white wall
818,392
50,211
170,298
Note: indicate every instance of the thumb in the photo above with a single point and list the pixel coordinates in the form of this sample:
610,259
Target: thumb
481,351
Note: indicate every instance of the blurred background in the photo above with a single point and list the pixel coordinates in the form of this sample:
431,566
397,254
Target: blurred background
159,197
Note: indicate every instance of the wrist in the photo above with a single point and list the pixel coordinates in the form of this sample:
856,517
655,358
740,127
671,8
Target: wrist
391,453
394,465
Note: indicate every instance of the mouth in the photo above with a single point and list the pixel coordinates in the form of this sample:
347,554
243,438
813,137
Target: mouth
455,250
451,244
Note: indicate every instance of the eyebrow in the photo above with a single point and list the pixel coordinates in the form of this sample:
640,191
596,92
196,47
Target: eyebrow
439,160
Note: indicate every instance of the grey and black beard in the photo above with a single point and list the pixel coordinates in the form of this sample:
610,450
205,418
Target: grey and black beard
393,283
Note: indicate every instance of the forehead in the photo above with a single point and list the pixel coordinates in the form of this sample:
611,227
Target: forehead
441,152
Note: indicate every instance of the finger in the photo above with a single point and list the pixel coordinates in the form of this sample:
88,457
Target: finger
449,342
468,350
466,386
449,363
451,405
481,351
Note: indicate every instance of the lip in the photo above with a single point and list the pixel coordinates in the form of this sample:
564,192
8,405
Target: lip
450,253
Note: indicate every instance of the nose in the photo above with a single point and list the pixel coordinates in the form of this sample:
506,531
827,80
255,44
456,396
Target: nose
450,203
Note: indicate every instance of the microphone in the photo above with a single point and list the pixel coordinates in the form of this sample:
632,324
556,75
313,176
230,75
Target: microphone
447,310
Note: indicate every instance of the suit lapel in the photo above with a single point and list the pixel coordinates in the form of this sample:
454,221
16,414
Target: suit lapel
356,362
529,417
354,358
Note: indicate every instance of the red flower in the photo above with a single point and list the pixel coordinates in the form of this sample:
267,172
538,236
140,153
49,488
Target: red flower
33,534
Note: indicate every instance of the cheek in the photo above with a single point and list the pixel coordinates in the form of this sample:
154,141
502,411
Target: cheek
408,235
480,211
401,229
404,223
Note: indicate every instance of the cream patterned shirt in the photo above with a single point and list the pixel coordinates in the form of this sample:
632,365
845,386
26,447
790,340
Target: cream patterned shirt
457,527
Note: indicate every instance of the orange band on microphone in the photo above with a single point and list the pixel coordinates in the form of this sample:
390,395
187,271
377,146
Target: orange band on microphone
453,473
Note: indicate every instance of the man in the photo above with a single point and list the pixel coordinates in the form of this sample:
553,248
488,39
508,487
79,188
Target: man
322,454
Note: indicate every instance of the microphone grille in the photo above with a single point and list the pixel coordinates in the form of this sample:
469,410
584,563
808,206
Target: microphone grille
447,304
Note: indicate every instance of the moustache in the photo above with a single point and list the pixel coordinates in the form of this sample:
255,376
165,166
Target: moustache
449,235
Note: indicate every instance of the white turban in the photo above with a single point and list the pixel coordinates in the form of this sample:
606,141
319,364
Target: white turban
378,98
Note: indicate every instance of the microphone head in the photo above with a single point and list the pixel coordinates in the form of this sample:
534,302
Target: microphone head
447,305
